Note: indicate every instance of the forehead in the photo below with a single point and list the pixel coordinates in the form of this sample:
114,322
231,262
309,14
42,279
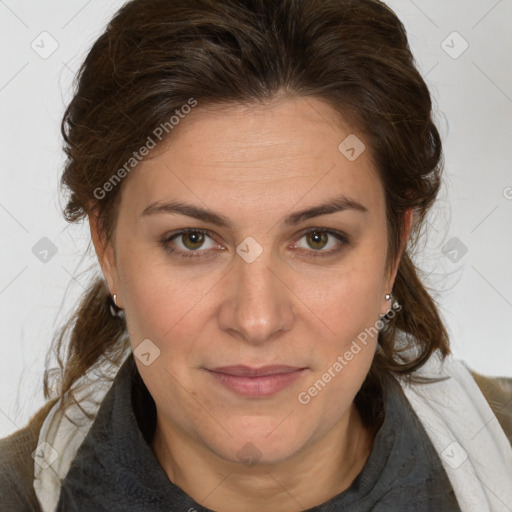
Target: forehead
257,156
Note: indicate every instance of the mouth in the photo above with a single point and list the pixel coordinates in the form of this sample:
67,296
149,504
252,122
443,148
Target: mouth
256,382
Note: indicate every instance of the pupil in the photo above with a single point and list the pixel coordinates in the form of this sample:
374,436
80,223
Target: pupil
319,237
195,238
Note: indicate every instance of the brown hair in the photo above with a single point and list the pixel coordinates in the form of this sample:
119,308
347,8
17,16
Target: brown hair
157,54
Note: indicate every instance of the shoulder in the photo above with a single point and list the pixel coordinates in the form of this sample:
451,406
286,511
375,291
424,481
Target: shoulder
498,393
17,465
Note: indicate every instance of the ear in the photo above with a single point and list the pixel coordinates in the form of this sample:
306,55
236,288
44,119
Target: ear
105,254
408,216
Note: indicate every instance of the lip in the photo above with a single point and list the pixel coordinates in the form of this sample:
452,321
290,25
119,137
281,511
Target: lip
248,371
256,382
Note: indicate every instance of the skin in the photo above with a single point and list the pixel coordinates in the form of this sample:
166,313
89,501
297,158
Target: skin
254,166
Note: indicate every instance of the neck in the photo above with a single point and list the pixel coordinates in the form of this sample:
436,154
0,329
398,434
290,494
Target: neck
332,463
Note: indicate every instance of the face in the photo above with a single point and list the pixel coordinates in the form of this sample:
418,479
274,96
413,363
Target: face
256,316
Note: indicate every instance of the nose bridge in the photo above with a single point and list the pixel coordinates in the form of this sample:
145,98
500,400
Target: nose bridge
258,306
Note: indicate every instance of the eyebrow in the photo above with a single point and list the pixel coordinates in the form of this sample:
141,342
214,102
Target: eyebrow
338,204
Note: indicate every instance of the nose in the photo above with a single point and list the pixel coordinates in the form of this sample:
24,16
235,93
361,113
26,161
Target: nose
258,305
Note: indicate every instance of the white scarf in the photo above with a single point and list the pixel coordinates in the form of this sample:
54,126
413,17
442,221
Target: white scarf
473,448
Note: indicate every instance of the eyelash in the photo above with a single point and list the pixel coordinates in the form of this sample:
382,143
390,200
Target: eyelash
344,239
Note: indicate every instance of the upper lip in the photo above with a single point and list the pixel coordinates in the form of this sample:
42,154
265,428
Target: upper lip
248,371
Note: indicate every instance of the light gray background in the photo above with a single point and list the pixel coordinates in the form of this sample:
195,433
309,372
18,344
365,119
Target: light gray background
473,97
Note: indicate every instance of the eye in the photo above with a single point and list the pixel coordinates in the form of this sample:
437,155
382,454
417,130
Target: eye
318,239
189,242
192,243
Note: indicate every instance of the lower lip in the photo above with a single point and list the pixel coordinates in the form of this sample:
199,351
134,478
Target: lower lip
264,385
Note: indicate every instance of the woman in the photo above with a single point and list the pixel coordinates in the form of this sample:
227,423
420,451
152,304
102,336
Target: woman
255,175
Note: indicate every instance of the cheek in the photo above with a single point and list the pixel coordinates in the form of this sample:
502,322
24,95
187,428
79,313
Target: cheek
347,300
156,298
327,394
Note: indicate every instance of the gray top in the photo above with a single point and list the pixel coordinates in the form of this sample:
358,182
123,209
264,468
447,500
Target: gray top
116,470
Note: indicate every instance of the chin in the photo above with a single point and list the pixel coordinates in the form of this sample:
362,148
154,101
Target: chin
260,441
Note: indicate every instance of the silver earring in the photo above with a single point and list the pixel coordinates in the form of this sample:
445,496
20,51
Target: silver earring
115,310
395,305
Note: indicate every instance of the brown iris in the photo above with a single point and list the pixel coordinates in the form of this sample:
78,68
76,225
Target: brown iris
196,239
318,237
